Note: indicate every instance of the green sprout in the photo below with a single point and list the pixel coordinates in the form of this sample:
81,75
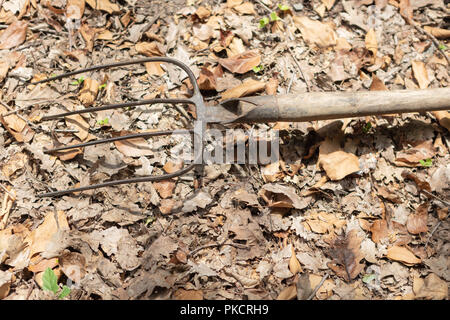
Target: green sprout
274,16
50,283
426,163
103,122
442,47
102,86
78,81
257,69
283,7
263,22
367,127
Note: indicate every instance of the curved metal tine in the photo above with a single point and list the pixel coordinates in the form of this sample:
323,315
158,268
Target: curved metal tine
117,106
129,136
132,180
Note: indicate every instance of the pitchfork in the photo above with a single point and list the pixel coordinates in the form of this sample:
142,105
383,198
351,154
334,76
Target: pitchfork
257,109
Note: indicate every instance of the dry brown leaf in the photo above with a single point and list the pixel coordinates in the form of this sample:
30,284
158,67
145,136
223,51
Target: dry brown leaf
379,230
443,117
126,19
207,79
272,172
346,256
202,13
235,47
245,8
4,67
40,237
105,35
88,35
336,162
88,92
166,206
417,222
14,35
78,123
438,32
371,42
420,74
420,151
272,86
165,188
202,31
377,84
288,293
315,32
135,147
16,126
442,213
406,10
182,294
279,196
343,45
150,49
432,287
171,167
294,264
42,264
242,63
388,194
402,255
248,87
17,162
75,9
104,5
6,278
421,184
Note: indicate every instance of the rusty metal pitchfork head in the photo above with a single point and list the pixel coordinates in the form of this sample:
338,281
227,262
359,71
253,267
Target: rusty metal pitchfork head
196,99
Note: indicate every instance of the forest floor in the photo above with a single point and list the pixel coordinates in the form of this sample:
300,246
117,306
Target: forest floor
353,209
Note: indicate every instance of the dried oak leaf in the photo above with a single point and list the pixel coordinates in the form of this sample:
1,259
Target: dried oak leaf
14,35
346,256
288,293
16,126
279,196
242,63
420,151
337,163
73,265
315,32
421,184
207,79
417,222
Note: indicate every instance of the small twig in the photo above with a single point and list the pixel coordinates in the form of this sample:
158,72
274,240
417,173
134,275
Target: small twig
317,287
434,40
433,231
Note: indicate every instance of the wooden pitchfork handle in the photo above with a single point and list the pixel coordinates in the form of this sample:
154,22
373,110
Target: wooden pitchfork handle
327,105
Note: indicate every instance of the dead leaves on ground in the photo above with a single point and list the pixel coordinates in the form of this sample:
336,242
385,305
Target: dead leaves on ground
242,63
336,162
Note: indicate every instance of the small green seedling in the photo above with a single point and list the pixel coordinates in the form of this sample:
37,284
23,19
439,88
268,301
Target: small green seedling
258,68
274,16
149,221
263,22
102,86
283,7
78,81
103,122
50,283
367,127
442,46
426,163
368,278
